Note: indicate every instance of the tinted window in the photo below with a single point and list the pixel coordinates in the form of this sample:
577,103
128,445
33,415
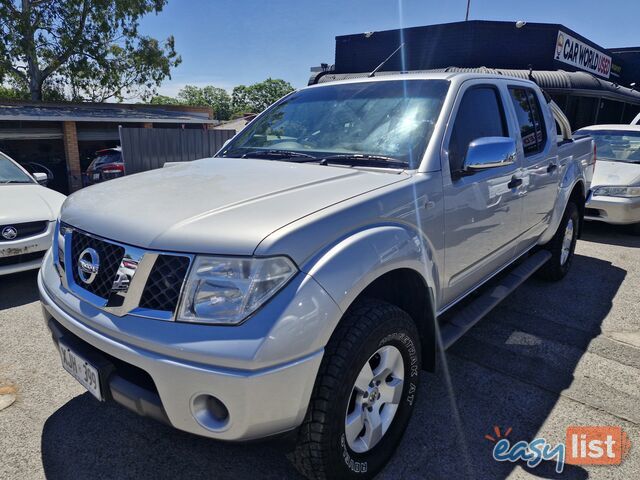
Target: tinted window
530,121
106,157
480,115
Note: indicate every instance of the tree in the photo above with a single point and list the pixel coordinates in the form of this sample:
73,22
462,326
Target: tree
243,99
255,98
164,100
216,98
91,48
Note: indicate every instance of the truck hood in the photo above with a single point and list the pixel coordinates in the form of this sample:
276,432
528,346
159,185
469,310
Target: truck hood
615,173
216,205
28,203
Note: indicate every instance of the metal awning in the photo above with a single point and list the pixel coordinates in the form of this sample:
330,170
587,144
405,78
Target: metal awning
552,81
112,113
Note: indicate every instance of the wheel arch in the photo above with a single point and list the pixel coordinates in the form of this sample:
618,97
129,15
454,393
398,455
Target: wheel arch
575,192
407,289
393,263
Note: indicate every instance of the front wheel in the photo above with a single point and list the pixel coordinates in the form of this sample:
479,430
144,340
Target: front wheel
363,396
562,246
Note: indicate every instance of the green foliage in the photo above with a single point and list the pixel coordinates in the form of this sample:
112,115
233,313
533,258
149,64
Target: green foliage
164,100
244,99
51,93
210,96
12,93
90,48
259,96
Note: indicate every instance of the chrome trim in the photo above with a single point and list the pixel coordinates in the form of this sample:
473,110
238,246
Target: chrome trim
129,283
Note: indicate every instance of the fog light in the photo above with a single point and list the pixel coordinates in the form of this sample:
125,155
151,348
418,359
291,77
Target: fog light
210,412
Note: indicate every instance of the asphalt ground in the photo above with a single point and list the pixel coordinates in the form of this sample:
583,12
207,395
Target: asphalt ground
549,357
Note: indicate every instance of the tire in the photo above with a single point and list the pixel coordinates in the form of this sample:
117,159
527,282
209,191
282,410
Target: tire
562,246
370,331
635,229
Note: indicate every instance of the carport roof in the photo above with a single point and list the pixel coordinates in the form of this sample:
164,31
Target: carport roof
102,112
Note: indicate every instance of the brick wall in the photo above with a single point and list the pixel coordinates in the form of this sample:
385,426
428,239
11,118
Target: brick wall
74,172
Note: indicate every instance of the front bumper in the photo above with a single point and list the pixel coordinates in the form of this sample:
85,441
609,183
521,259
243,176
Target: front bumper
615,210
26,253
236,365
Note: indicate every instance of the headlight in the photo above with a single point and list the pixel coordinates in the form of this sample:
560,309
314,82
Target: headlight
617,192
226,290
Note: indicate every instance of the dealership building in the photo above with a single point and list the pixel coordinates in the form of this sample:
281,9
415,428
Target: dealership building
591,83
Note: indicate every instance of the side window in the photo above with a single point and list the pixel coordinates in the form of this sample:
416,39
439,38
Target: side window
528,113
480,115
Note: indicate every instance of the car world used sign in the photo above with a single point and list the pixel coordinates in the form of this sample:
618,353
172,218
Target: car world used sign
572,51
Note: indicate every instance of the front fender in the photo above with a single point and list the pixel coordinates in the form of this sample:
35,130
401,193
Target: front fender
345,269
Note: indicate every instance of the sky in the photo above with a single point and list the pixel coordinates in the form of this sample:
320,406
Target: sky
230,42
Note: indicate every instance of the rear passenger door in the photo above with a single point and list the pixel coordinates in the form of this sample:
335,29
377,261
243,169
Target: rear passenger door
482,213
540,166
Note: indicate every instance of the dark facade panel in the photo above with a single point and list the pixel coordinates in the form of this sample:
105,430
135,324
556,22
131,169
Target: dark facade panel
469,45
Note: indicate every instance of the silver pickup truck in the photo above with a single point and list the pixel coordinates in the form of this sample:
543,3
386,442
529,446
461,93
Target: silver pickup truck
300,280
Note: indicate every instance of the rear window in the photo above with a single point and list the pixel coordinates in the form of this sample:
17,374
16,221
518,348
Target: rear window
532,130
106,157
615,145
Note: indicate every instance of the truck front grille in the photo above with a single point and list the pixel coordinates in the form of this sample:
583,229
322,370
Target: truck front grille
120,283
110,257
162,291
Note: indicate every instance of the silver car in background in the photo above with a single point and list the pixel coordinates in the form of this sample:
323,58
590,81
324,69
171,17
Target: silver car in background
615,187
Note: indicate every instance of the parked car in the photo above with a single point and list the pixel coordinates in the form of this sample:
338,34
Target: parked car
28,212
293,283
107,165
615,189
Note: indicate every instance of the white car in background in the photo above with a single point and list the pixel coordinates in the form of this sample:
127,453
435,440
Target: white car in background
615,187
28,213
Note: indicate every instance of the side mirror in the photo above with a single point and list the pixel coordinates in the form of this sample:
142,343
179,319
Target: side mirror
489,152
42,178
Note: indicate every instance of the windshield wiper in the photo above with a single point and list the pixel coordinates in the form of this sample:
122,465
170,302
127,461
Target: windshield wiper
363,159
14,181
276,154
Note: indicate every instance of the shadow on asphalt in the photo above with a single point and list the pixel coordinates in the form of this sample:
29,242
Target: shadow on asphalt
86,439
499,373
18,289
620,235
509,371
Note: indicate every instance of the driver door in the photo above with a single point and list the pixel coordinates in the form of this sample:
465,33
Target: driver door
483,207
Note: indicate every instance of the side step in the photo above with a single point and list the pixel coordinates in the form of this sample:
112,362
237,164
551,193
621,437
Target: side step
466,318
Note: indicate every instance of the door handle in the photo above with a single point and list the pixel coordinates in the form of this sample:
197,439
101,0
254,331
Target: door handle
515,182
551,168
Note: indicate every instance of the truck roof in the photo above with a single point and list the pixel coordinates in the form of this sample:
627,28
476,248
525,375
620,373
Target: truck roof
451,76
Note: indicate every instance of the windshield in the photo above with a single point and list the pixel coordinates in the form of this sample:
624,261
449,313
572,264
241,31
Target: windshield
11,173
393,119
615,145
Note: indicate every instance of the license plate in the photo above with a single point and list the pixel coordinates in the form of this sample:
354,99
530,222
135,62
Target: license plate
81,370
96,176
